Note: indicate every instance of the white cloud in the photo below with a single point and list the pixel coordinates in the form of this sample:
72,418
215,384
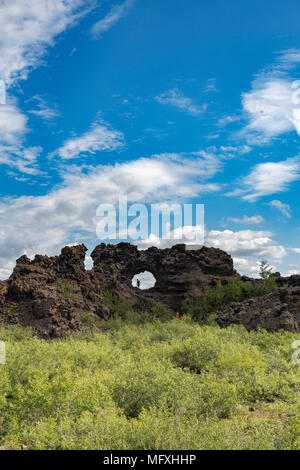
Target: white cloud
2,92
147,280
282,207
88,262
22,159
230,151
43,110
207,163
13,128
176,98
115,14
13,124
67,214
6,271
187,236
247,247
269,109
225,120
28,27
290,272
272,106
246,243
246,266
227,152
100,137
295,250
269,178
287,59
246,220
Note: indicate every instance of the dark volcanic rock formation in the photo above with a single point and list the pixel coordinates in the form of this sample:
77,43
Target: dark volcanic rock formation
179,273
57,295
52,295
275,311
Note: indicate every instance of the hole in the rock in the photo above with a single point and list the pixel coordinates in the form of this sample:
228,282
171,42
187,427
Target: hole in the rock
88,263
144,280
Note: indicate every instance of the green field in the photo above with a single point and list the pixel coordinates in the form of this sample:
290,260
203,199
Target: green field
150,385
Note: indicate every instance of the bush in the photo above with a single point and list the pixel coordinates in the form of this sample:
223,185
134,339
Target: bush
212,300
153,385
142,386
196,354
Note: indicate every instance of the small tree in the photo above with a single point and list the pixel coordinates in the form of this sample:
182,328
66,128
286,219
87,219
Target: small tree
265,270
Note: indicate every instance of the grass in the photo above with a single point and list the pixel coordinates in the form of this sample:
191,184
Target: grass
68,290
150,385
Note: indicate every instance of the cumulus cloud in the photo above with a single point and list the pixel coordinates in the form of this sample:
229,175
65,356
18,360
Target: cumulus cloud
28,27
268,178
115,14
290,272
270,109
282,207
13,128
100,137
272,106
182,235
248,267
246,220
68,213
176,98
13,124
247,247
246,243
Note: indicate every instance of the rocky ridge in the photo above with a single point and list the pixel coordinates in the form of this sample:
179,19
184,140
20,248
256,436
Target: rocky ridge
57,295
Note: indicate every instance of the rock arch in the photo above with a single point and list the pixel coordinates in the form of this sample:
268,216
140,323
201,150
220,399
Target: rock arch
178,272
37,292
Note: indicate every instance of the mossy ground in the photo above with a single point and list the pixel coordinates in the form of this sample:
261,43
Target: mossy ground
150,385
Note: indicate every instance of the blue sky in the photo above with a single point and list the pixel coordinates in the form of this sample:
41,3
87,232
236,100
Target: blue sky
181,101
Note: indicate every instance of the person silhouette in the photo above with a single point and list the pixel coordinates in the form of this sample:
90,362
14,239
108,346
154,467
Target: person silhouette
138,283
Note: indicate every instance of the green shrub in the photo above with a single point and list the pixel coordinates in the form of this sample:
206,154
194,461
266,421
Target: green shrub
142,386
162,312
68,290
212,300
150,385
196,354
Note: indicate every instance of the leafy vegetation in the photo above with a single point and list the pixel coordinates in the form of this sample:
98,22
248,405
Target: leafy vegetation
121,311
212,300
265,270
68,290
150,385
